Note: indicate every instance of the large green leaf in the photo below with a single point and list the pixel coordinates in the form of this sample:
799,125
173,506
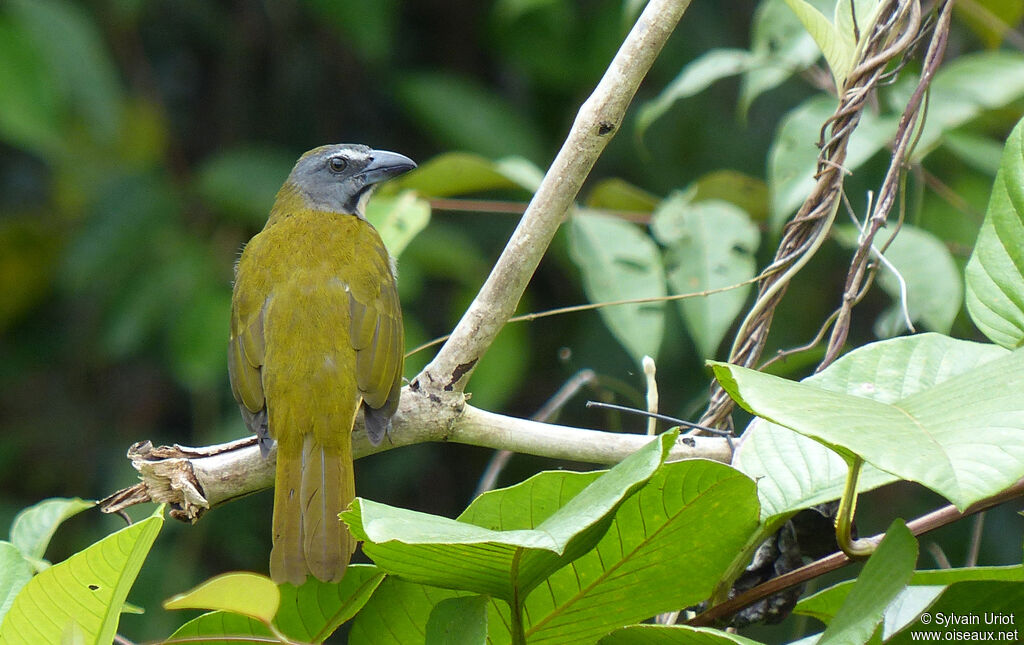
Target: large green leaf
86,592
837,45
507,564
619,262
885,575
673,635
710,244
963,438
934,288
398,613
624,579
995,272
794,471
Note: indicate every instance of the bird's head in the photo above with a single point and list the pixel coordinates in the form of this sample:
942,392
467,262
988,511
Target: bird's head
339,178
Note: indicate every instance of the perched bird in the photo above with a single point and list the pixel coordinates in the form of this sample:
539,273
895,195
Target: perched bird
316,333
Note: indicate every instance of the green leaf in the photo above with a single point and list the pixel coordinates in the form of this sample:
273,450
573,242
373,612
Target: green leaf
398,219
617,194
621,581
963,438
397,613
88,589
978,584
31,109
451,173
837,45
976,150
792,160
795,472
885,575
368,28
458,621
248,594
313,611
461,113
749,194
962,90
211,629
619,262
990,19
457,555
673,635
934,289
242,182
197,337
309,613
995,272
782,44
33,527
77,60
15,572
710,244
695,77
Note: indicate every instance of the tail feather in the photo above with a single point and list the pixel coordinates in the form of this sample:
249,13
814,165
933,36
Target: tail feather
287,563
327,488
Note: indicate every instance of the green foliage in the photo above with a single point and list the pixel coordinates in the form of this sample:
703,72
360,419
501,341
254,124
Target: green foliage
141,145
995,280
84,594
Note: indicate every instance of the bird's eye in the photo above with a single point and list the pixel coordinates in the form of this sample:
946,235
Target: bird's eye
337,164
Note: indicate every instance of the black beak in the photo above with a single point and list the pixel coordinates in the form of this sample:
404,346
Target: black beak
386,165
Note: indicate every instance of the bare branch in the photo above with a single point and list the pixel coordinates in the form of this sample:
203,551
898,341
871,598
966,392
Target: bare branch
193,480
597,121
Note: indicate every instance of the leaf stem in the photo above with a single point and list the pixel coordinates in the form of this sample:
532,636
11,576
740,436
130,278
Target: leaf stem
854,549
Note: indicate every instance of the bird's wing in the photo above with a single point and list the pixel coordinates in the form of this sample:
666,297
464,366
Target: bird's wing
379,340
246,351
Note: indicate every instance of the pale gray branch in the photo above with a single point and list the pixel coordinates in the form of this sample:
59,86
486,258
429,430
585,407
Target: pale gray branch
598,120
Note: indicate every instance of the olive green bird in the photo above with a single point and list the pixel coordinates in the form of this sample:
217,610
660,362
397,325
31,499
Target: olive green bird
316,333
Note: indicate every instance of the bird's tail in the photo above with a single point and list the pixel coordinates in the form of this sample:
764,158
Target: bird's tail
311,488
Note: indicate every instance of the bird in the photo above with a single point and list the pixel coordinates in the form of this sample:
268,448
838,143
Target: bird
316,334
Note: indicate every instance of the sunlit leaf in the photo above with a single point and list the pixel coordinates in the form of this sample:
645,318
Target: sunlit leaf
963,438
618,194
248,594
453,554
795,472
88,589
15,572
451,173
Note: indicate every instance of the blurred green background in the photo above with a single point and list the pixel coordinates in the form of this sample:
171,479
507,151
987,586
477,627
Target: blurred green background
142,142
